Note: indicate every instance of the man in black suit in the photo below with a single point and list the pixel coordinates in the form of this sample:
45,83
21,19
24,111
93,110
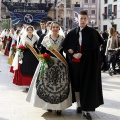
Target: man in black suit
42,31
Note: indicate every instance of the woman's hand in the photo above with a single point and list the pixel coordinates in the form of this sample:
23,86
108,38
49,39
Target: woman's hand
77,55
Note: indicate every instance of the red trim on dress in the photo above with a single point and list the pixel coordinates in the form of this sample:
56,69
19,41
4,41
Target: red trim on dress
20,79
11,69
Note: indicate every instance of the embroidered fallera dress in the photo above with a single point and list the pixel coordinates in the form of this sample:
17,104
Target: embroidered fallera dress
52,90
24,71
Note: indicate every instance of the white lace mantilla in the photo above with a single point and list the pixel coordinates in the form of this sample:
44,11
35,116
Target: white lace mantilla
48,42
25,39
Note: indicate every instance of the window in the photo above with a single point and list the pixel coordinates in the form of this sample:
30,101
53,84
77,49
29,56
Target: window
104,27
86,11
115,0
105,1
105,13
93,1
115,9
92,11
77,4
86,1
105,10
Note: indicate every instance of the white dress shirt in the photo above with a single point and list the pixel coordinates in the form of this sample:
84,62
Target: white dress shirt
80,36
43,31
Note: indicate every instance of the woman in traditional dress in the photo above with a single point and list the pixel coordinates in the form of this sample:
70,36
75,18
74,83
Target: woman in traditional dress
11,45
51,90
25,62
8,40
13,49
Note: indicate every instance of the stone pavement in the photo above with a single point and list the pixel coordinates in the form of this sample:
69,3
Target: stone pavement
14,107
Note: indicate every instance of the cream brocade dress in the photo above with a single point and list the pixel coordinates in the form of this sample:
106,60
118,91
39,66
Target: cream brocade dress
53,90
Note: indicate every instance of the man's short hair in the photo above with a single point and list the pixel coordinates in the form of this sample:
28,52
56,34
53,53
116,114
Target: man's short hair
42,21
83,12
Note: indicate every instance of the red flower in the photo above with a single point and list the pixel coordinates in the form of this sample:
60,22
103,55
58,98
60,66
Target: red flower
46,56
14,50
21,47
8,39
13,45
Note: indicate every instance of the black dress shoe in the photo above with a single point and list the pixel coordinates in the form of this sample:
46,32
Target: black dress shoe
58,112
87,116
79,110
49,110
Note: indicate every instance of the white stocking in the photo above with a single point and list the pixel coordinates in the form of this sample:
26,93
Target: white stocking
77,96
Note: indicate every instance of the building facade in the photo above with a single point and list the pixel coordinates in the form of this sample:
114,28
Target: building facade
0,16
0,10
63,12
110,14
30,1
92,7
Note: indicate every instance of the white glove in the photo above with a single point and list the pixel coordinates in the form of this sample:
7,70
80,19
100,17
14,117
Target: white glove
77,55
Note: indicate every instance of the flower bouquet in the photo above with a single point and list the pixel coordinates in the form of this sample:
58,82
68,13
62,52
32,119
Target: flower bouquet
46,61
21,50
13,49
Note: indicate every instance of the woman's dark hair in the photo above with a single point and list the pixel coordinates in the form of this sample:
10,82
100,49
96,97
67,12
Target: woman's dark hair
83,12
17,32
54,22
30,27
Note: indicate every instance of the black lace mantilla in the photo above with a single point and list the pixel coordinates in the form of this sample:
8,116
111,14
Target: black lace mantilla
54,86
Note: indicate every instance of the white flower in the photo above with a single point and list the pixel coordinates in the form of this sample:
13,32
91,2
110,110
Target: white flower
48,45
46,66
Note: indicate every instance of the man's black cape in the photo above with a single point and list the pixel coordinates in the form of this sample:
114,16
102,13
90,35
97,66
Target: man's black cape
90,71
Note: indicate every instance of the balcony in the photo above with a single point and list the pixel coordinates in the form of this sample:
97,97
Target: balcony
105,16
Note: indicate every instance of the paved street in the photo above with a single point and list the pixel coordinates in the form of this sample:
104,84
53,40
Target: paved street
14,107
